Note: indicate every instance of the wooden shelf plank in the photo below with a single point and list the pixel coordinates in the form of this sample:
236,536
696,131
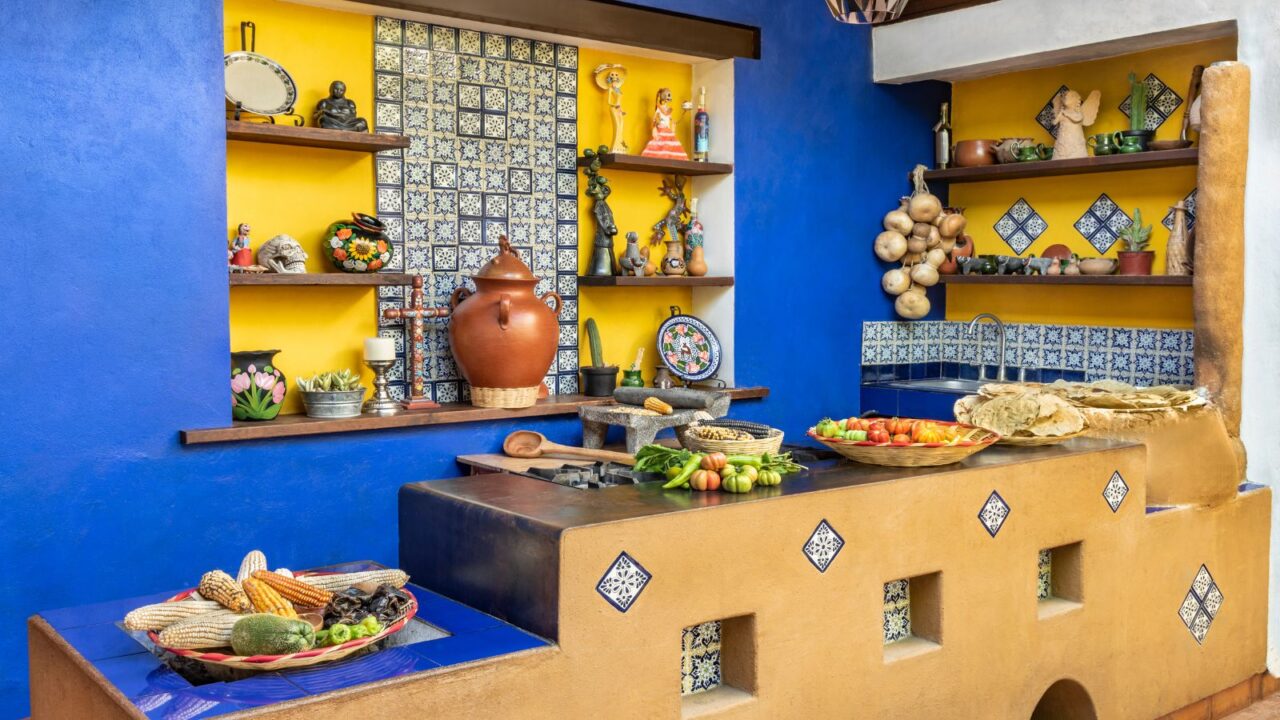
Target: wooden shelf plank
1079,166
452,413
637,163
296,279
1051,280
313,137
656,281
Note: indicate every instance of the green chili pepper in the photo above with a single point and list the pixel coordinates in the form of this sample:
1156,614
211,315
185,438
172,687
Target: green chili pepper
752,460
339,633
371,624
686,472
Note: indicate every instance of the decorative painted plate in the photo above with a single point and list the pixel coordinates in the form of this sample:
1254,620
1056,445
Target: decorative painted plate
258,83
688,347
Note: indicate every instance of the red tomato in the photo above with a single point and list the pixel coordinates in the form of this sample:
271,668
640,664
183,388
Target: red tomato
900,426
877,435
705,480
901,439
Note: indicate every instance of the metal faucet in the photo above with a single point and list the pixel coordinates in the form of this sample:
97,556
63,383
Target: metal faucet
973,328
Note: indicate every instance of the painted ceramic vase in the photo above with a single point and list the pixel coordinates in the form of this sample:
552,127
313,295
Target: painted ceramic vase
358,246
504,336
673,261
257,385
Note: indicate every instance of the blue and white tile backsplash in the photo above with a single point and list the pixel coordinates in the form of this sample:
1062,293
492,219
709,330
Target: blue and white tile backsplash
1141,356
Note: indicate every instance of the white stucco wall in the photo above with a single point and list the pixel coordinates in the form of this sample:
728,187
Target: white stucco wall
1016,34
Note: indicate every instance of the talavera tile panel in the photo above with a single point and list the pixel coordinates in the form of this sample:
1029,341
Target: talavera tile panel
493,150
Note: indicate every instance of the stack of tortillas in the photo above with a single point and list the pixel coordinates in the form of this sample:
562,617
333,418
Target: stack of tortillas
1023,417
1102,406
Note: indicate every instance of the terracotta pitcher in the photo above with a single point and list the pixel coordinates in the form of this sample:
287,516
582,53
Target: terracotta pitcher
503,336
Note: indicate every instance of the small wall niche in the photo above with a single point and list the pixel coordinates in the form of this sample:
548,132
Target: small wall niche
717,665
1059,579
912,620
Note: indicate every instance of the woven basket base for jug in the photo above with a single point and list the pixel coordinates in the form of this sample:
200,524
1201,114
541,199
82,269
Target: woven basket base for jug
509,398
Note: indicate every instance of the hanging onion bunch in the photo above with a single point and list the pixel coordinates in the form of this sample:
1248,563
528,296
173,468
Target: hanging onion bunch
920,236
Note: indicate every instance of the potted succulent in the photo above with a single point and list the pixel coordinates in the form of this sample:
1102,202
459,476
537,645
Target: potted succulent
333,394
1135,258
598,379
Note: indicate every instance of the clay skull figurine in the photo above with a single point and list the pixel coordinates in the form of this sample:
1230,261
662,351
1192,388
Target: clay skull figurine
1072,116
283,254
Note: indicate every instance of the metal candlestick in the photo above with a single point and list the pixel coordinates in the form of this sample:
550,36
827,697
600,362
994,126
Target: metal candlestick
381,403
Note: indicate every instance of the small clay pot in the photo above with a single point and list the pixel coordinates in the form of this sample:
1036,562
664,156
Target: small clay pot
1136,263
975,153
599,381
1097,266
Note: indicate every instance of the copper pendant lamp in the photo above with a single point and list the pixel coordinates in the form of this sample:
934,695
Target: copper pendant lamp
866,12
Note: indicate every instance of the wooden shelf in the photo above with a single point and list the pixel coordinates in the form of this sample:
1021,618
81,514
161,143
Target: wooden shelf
348,279
636,163
1079,166
452,413
656,281
313,137
1050,280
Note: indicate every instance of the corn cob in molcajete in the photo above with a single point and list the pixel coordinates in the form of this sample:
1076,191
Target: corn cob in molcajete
219,586
255,560
656,405
293,590
198,632
342,581
161,615
265,599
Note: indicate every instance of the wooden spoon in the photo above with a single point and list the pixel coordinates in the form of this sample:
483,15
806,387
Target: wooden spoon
530,444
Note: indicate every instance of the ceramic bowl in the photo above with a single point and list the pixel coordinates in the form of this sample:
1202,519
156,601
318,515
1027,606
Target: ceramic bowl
975,153
1097,266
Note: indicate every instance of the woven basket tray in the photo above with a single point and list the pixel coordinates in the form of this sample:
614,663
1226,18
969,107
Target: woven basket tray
974,440
1039,441
305,658
767,439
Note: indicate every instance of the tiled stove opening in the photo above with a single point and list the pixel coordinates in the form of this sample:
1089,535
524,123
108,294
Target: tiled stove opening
717,664
1059,579
912,620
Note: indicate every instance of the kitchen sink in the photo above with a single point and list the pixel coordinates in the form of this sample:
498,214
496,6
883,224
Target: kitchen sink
946,385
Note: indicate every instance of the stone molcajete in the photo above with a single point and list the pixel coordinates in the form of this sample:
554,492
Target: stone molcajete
503,335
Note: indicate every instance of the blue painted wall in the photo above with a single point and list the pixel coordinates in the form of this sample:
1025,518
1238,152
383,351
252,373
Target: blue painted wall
115,307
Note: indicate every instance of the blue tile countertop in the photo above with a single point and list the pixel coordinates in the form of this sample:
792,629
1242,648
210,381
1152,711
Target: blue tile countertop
464,635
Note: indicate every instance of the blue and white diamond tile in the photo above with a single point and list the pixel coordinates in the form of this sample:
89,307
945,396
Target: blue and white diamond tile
1201,604
1045,116
623,582
1102,222
1020,226
993,514
823,546
1189,202
1115,491
1162,101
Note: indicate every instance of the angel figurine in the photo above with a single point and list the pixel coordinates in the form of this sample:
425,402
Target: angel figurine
664,143
1072,117
609,77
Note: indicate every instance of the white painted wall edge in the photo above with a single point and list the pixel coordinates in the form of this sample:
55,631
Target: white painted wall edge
1016,34
716,209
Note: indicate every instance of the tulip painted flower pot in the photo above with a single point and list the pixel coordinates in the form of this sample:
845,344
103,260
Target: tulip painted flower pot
358,246
257,385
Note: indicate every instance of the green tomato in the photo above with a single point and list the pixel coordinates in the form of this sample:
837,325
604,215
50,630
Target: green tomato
769,478
857,435
737,484
829,430
728,470
672,472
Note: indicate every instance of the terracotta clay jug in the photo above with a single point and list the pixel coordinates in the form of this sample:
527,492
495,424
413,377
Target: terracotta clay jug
503,335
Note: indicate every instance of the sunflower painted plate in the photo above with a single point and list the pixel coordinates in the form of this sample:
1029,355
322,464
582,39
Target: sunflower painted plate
688,347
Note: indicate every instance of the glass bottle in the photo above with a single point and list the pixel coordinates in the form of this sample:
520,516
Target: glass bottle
942,138
701,129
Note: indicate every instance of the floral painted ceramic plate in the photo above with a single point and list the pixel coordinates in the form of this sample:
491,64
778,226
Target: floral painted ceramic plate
688,347
258,83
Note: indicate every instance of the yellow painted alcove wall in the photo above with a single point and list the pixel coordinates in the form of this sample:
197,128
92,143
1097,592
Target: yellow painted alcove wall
299,191
1006,106
628,317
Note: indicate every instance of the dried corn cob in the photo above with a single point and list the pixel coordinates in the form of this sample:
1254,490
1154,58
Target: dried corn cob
209,630
265,599
656,405
714,432
255,560
161,615
298,592
342,581
283,571
217,585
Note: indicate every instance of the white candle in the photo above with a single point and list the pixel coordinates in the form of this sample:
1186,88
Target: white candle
379,349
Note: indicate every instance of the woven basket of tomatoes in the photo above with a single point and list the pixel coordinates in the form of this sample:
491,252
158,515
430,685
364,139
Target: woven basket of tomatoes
902,442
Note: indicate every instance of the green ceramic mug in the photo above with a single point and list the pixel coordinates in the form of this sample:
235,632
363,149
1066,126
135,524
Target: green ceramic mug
1102,144
1127,143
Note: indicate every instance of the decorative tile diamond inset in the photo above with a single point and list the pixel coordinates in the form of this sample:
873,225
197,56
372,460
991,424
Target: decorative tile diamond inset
1045,116
623,582
700,658
993,514
1190,203
897,610
1201,604
1102,222
1161,102
1115,491
823,546
1020,226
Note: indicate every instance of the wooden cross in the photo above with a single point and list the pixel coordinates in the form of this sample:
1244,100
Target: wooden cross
414,318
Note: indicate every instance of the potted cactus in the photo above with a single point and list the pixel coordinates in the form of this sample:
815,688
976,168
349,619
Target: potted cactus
333,394
1138,113
1135,258
598,379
